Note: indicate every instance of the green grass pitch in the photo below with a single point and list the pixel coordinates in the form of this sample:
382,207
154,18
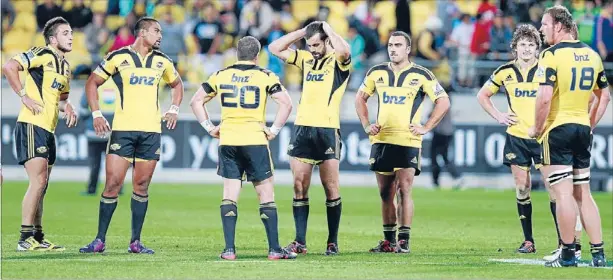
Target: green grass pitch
455,234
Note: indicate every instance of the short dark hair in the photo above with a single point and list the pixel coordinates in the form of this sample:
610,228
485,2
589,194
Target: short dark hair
560,14
403,34
143,23
51,27
528,32
248,48
314,28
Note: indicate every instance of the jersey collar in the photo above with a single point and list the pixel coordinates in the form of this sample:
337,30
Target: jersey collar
137,53
55,52
245,62
389,65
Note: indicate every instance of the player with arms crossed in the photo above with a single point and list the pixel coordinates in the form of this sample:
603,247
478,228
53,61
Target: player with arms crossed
316,136
520,150
569,72
135,138
243,148
45,94
396,136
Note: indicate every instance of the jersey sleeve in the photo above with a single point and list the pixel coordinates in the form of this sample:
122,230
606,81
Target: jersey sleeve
601,81
433,89
107,67
345,65
546,74
210,86
368,86
32,58
296,58
170,72
274,85
494,82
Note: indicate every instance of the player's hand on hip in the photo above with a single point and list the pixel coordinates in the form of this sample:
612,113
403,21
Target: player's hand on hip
507,119
215,132
373,129
417,129
171,117
35,107
70,114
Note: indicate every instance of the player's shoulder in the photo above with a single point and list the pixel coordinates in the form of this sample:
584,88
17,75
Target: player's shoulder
504,67
423,71
118,52
378,67
163,55
555,49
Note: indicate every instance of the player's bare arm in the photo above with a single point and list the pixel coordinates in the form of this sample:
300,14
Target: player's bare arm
172,115
70,114
284,101
484,97
602,99
280,47
441,107
543,106
198,104
341,47
101,125
11,72
362,109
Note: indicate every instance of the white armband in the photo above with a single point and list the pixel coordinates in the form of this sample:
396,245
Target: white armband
97,114
274,129
174,109
207,125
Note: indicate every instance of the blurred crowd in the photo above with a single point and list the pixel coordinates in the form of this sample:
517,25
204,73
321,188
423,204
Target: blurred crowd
449,36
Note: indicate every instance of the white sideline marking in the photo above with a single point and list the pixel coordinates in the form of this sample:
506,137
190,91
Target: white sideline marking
537,262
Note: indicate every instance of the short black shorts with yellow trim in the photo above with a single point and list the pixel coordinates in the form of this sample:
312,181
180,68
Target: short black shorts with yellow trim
32,141
246,163
315,144
387,158
522,152
135,145
568,144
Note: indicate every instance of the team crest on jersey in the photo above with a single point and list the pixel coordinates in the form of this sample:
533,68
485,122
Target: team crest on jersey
159,65
115,147
414,82
41,150
511,156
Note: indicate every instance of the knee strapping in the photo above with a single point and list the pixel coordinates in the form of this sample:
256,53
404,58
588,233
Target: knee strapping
522,192
560,175
579,179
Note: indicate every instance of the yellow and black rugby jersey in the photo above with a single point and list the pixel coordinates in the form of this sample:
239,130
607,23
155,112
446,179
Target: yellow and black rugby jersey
521,94
48,76
574,70
324,84
137,79
400,96
243,88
